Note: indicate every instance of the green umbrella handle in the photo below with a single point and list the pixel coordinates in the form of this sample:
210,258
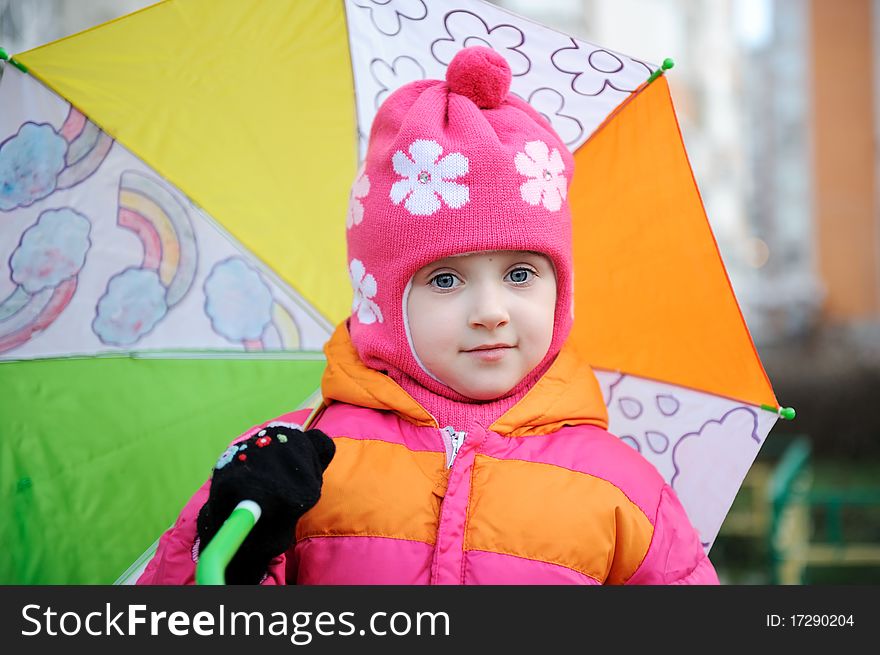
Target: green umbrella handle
213,560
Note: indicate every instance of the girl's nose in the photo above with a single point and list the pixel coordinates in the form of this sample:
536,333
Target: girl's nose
489,310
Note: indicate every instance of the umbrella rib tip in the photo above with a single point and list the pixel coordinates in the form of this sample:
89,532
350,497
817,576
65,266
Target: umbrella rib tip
665,66
786,413
5,56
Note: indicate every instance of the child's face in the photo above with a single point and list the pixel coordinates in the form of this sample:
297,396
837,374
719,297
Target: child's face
481,322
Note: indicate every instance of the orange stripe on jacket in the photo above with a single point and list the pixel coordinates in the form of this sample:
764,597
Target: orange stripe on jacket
378,489
574,509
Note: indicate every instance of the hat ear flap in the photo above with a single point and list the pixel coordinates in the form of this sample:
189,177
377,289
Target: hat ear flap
323,445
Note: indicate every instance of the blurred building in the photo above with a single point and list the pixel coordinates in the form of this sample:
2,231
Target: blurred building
843,59
786,293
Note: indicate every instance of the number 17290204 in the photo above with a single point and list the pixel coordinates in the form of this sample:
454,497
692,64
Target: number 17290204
810,621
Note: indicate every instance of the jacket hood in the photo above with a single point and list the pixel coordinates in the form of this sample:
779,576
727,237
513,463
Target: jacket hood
567,394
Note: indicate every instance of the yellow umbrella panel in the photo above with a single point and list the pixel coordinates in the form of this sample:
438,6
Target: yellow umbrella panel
247,107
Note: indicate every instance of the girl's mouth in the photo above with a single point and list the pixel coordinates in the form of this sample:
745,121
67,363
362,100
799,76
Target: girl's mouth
489,352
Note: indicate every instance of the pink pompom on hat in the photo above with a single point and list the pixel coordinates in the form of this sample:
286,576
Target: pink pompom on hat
452,167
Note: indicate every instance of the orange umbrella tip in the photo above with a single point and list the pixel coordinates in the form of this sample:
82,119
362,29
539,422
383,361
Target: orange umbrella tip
786,413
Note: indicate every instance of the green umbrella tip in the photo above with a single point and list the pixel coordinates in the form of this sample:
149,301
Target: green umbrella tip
786,413
5,57
665,66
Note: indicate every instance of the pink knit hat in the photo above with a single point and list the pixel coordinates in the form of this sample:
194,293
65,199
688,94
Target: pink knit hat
452,167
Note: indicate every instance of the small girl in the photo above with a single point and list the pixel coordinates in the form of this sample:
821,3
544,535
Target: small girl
467,442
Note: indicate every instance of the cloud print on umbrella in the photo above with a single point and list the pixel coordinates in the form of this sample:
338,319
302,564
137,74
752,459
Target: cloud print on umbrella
39,160
30,163
711,453
44,267
51,250
238,302
132,305
700,444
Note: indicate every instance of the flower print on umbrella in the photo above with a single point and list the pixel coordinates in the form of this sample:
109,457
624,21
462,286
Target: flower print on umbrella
547,185
427,179
466,29
392,76
365,288
550,104
594,69
388,15
359,191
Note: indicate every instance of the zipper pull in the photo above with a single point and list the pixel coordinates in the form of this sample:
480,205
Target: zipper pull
453,441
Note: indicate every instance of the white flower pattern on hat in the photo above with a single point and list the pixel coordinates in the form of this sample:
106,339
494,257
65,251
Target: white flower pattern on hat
426,181
365,289
548,184
359,190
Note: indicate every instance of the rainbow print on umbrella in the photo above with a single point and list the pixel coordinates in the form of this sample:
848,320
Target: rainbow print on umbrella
44,266
138,298
242,309
34,163
87,148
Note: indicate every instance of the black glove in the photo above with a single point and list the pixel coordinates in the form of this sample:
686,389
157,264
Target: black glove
280,468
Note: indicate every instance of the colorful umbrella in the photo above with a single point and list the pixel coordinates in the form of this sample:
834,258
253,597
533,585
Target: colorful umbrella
173,187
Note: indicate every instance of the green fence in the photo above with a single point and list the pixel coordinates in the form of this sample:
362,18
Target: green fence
807,527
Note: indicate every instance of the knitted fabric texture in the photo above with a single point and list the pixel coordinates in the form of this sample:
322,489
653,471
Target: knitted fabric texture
453,167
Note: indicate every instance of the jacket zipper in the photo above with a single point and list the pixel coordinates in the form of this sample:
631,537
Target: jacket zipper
453,441
446,535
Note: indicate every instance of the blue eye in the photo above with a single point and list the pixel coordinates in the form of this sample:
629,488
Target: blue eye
443,281
520,275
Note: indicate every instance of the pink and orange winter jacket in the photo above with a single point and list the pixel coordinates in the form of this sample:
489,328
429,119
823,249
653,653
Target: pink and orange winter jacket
544,495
